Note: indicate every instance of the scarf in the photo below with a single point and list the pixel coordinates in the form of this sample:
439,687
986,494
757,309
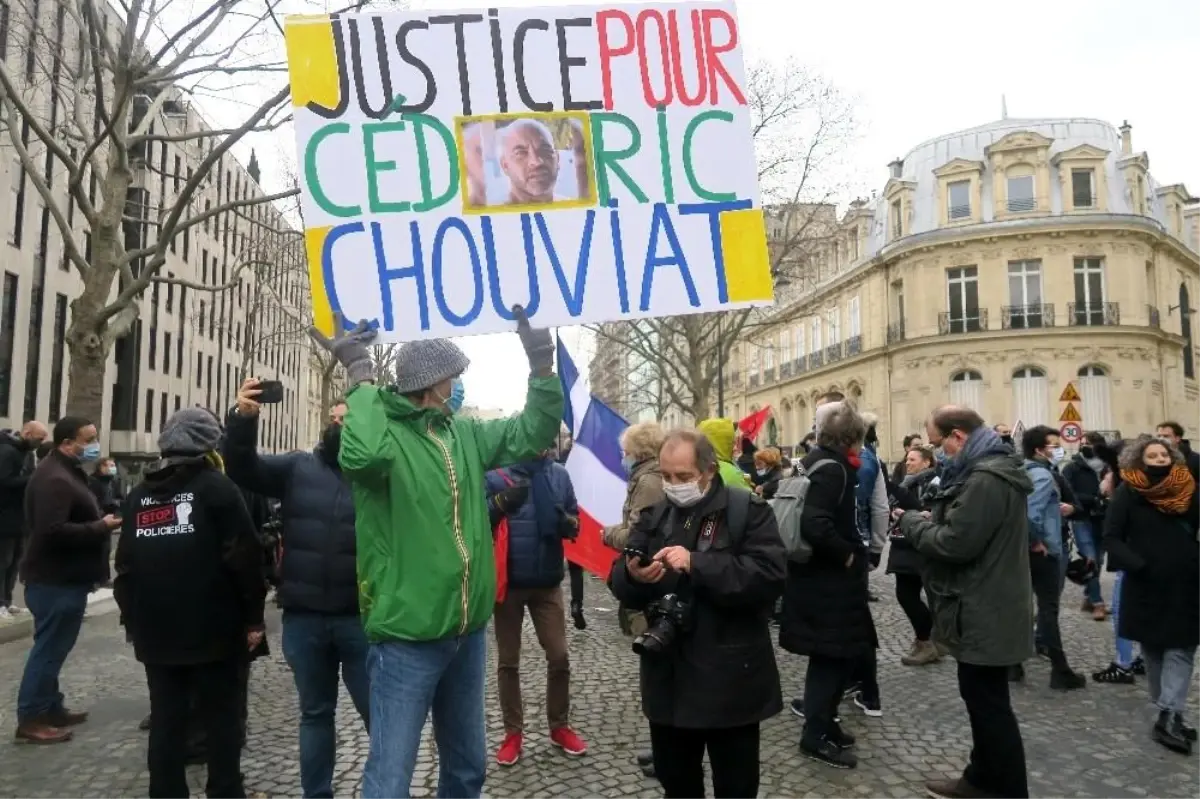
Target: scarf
1172,494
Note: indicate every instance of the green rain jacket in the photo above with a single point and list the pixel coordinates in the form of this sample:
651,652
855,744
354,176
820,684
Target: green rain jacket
720,433
426,570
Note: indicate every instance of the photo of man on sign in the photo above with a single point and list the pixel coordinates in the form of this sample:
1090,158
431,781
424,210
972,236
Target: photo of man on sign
524,162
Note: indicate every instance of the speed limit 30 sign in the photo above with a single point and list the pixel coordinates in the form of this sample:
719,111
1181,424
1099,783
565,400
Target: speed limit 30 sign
1071,433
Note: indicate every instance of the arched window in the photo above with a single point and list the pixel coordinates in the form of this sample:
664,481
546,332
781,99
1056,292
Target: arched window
1185,329
966,389
1096,405
772,432
1030,404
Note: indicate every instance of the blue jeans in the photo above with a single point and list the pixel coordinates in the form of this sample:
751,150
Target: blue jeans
408,680
315,645
57,616
1086,543
1124,645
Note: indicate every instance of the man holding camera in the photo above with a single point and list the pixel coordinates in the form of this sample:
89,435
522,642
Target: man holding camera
706,566
318,586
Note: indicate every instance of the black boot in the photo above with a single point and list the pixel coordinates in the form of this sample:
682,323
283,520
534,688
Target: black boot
1169,733
577,616
645,758
1189,732
1063,679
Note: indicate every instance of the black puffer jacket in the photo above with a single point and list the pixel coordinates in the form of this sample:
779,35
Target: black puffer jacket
825,610
318,570
16,467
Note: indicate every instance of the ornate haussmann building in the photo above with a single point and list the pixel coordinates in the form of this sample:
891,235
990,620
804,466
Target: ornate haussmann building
1000,265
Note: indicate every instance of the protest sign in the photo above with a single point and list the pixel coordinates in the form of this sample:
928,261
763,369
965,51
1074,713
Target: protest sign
590,163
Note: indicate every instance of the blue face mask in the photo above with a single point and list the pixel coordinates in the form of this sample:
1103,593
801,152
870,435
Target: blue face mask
90,453
627,463
458,392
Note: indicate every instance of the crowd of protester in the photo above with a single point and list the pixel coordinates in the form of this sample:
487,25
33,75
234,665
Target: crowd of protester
393,543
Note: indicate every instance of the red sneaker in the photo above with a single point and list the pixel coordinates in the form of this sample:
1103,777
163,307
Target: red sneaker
510,751
567,740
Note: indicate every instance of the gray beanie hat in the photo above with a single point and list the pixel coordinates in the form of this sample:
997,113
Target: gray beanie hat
424,364
190,431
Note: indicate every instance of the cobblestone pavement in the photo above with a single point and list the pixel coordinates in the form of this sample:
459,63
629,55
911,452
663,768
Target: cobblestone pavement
1091,743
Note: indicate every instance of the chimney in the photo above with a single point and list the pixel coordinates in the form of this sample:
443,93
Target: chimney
1126,138
896,167
252,167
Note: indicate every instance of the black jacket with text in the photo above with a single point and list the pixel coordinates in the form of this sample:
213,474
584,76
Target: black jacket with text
189,573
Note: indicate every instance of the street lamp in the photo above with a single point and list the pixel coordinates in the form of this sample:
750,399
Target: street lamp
781,282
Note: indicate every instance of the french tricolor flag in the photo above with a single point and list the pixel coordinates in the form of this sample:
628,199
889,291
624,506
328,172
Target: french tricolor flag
594,466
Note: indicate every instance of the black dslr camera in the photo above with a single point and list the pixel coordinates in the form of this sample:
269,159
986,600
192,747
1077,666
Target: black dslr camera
668,617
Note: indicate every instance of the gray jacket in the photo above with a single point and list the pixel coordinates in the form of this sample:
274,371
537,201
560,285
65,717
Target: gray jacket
976,574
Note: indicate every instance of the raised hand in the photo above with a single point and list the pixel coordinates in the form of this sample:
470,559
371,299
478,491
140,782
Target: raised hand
348,349
538,344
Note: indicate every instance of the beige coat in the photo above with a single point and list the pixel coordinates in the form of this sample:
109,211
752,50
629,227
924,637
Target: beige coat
644,490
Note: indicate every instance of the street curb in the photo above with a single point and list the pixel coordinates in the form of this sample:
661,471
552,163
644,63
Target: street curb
100,603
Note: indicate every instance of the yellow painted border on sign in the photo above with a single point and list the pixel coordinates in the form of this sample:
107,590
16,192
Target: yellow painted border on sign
314,245
747,261
312,60
583,202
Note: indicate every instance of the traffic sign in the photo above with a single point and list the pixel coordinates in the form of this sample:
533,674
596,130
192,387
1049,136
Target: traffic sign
1070,414
1070,432
1070,394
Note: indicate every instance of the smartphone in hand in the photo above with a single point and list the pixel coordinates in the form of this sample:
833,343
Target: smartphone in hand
271,392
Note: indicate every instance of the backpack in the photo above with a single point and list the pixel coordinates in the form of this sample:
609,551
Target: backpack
788,506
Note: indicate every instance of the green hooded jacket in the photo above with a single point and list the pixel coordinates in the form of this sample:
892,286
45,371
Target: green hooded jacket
720,433
426,569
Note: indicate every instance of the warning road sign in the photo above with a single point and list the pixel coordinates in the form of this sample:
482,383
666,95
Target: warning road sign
1070,433
1070,414
1070,394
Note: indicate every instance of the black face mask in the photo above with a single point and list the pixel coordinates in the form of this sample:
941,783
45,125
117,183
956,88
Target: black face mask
1087,451
331,443
44,449
1158,472
1007,440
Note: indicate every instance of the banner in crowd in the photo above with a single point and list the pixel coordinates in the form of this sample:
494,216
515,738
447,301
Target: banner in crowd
594,466
590,163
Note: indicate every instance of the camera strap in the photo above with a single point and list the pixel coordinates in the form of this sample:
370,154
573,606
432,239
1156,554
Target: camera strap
707,533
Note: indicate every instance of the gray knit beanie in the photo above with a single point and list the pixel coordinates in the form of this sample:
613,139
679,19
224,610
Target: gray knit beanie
424,364
190,431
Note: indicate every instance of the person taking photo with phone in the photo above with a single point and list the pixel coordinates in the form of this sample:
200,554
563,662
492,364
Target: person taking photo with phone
191,591
65,561
318,585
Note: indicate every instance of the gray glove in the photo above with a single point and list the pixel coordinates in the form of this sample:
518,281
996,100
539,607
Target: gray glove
349,349
538,344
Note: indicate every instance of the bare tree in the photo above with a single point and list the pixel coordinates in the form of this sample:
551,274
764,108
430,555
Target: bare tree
801,125
383,356
102,87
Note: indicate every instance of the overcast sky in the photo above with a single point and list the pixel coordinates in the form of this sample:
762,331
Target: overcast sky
923,68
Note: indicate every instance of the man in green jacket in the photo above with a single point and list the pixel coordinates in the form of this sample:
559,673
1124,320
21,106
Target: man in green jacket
426,571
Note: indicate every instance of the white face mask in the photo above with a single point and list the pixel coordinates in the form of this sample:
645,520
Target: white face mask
683,495
1057,454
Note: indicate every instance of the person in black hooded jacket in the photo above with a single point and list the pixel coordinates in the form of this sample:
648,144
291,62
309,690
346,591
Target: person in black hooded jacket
191,592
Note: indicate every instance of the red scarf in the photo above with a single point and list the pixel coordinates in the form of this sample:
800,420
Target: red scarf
853,459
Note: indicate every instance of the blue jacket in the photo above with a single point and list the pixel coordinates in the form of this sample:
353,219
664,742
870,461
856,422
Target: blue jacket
868,473
318,573
1045,517
536,529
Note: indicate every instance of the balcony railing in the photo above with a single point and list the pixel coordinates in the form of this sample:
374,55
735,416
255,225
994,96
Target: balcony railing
753,381
735,378
816,359
958,212
895,332
1024,317
800,365
853,346
833,352
1153,317
785,370
1081,201
1094,314
972,320
768,375
1019,204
